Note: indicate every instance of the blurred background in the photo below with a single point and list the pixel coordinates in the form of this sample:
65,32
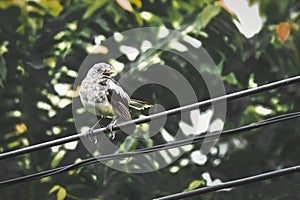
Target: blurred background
252,42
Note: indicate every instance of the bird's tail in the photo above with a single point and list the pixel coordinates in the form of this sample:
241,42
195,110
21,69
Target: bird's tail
139,105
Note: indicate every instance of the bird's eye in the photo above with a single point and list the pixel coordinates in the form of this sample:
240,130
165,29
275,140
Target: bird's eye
98,70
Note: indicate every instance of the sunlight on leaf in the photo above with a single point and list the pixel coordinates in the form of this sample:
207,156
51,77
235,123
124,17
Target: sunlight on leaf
208,14
198,158
174,152
146,15
174,169
3,47
64,102
167,136
71,145
210,182
184,162
125,4
178,46
165,155
251,82
192,41
117,66
97,49
216,125
196,128
131,52
262,110
118,37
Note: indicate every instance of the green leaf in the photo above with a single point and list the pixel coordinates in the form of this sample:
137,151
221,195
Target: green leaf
58,157
61,194
208,14
129,144
149,142
95,6
231,79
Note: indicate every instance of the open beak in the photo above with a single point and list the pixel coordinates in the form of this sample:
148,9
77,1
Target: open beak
108,73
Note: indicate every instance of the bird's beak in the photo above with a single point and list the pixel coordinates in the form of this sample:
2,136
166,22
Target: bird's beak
108,73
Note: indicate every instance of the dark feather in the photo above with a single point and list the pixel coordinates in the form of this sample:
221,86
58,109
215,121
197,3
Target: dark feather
120,101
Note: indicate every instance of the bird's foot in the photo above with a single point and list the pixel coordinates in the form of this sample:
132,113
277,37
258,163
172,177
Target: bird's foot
109,127
89,135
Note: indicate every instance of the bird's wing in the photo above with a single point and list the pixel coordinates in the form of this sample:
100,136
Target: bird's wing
119,99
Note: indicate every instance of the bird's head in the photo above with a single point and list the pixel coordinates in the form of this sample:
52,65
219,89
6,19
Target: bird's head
100,69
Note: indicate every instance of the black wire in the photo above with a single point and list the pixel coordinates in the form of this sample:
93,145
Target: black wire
160,115
202,138
234,183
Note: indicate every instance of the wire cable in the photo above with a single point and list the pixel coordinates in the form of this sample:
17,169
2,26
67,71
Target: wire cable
176,144
160,115
234,183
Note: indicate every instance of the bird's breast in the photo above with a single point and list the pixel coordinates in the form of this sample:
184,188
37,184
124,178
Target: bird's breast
100,109
93,95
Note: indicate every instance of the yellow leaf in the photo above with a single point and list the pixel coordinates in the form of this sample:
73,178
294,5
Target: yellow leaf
20,128
138,3
125,4
6,4
195,184
283,30
61,194
54,188
294,27
53,6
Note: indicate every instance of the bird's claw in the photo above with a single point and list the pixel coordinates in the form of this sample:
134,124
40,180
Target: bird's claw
109,127
88,135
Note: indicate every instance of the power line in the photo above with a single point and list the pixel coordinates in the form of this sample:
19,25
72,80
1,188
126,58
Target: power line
234,183
202,138
160,115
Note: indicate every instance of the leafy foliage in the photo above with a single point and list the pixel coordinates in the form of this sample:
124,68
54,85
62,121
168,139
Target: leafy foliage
42,45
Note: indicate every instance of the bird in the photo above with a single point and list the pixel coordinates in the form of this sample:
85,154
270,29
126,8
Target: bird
102,95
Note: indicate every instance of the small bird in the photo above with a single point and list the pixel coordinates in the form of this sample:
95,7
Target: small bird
101,95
